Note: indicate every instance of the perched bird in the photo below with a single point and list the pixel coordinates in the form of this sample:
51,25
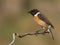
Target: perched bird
42,20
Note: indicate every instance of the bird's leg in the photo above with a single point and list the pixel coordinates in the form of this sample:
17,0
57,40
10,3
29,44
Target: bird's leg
45,30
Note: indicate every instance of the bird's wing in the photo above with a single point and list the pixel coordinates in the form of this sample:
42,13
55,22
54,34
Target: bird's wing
45,19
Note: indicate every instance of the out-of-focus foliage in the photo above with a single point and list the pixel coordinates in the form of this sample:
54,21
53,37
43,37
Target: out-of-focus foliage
14,17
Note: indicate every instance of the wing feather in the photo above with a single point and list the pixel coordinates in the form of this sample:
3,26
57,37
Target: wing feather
45,19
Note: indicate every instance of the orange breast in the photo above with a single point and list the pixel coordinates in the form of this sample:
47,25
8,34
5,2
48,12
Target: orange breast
40,22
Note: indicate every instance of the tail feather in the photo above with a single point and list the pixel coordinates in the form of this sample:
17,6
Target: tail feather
49,30
52,34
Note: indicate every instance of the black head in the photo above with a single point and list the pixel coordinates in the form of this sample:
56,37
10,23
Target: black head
33,11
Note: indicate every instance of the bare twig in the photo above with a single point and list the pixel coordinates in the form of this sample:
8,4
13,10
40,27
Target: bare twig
34,33
21,36
13,39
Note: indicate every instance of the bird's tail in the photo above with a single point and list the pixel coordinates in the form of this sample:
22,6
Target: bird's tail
51,34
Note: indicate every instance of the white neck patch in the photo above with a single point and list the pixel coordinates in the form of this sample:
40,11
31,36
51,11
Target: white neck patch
37,13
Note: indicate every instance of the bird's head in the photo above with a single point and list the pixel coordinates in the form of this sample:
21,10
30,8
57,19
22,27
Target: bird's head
33,11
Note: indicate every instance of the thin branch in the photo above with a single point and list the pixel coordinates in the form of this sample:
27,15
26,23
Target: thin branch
13,39
34,33
21,36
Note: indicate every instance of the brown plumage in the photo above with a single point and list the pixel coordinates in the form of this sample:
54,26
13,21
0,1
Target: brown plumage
45,19
42,20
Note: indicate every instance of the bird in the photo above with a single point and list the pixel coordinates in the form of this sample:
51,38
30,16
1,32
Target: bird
42,20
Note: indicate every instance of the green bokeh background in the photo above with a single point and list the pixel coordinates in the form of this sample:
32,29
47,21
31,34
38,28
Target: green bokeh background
14,17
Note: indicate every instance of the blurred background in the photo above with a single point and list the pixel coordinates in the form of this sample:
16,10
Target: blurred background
14,17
